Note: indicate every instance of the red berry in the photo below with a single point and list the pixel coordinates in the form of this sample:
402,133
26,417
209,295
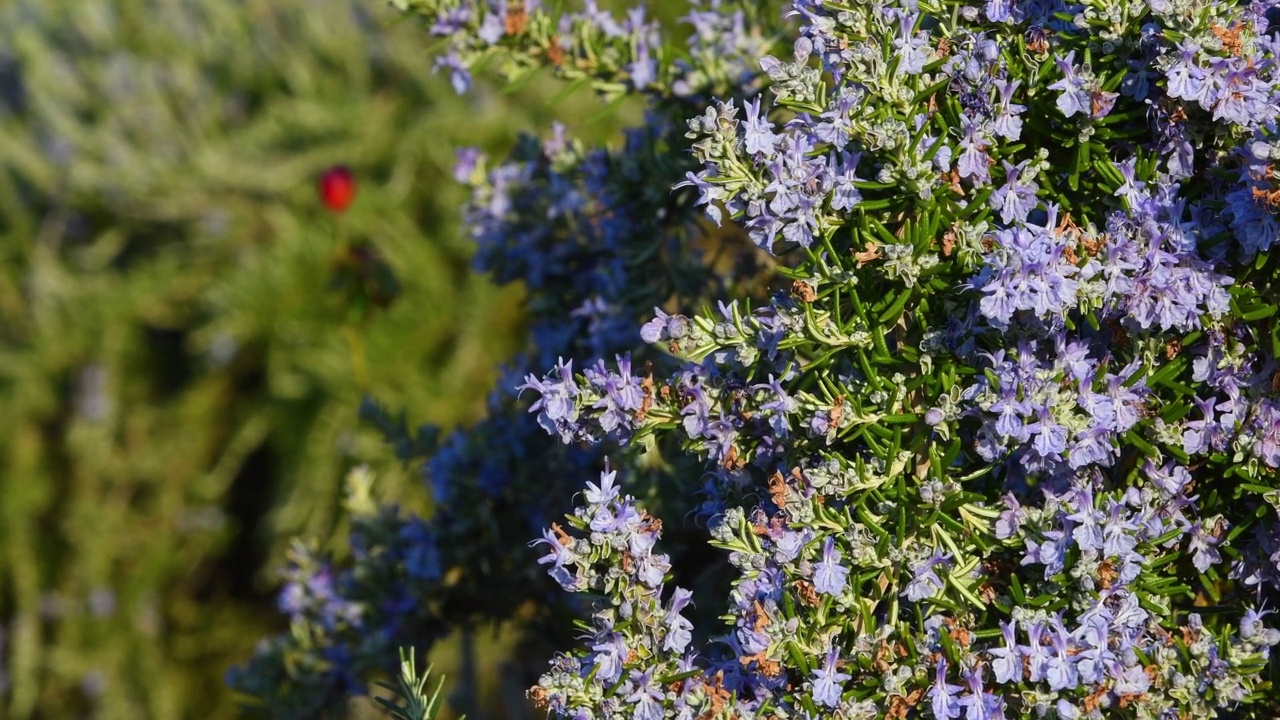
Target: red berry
337,187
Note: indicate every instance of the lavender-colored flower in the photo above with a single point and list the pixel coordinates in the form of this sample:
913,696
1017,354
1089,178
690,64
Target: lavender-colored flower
1006,661
827,682
1074,97
910,45
647,697
604,493
1010,519
1093,643
1007,123
561,557
1184,78
459,74
610,653
708,193
679,628
829,576
974,161
1131,188
978,703
1036,651
926,581
1060,671
1203,547
1015,199
943,696
556,409
1252,630
758,135
1132,680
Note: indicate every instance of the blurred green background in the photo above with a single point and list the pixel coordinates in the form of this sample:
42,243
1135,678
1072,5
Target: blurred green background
186,333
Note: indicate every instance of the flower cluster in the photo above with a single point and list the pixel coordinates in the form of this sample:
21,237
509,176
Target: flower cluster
954,465
345,620
614,55
617,562
1141,268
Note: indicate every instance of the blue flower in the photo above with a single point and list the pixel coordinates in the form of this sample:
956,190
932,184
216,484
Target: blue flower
679,629
610,653
1184,78
827,682
980,704
829,576
647,697
758,135
1015,199
1075,97
1007,660
925,582
943,696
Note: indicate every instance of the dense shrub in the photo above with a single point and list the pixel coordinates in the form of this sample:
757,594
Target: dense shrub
1002,441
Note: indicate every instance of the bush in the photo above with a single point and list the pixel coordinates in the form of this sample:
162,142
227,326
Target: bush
1002,441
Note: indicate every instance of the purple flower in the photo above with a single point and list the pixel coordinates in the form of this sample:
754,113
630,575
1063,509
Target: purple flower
1010,519
829,576
644,71
1050,436
679,628
1252,630
557,411
1060,670
1131,189
1000,11
925,581
1094,655
1007,660
943,695
758,135
910,45
1265,428
974,161
790,544
1015,199
1074,98
1132,680
562,559
721,433
610,654
459,75
1184,78
980,704
1036,652
827,682
1007,123
604,493
1203,435
1088,531
708,193
647,698
1101,103
1204,548
845,195
468,159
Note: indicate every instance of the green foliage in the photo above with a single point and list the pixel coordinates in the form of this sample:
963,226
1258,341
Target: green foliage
186,334
413,702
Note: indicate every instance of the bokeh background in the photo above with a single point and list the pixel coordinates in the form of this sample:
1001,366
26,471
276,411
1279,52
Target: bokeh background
186,334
